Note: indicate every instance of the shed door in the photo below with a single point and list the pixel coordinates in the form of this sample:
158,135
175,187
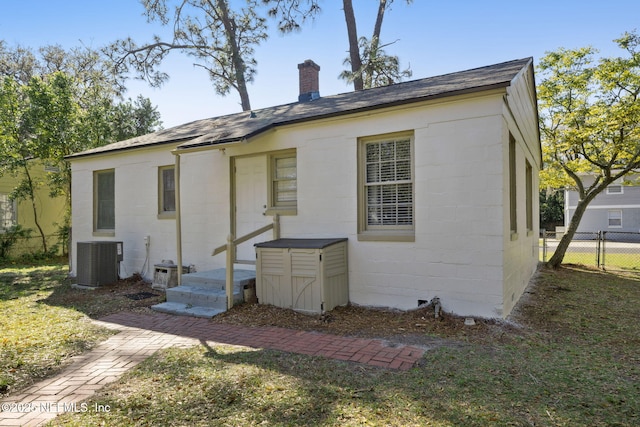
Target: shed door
251,202
306,291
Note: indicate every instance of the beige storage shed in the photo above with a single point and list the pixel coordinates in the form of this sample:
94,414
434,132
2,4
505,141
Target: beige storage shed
307,275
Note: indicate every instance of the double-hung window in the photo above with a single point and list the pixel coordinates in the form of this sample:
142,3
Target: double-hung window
166,192
615,218
529,195
615,188
513,193
283,189
104,214
386,196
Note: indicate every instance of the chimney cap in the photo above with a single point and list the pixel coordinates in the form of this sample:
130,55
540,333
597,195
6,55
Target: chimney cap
309,63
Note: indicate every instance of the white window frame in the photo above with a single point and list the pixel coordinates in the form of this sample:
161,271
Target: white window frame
163,211
8,212
385,232
513,188
102,231
618,213
615,185
277,206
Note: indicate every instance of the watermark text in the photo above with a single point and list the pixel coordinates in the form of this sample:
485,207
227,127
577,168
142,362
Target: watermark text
53,407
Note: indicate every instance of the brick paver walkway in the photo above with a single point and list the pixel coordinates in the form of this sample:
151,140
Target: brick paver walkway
141,335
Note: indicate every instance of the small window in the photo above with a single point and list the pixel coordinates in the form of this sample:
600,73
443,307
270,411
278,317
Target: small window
386,188
513,195
615,219
615,189
166,191
104,200
283,190
529,189
8,212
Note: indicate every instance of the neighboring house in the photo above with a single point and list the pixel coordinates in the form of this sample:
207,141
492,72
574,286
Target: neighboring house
615,210
50,210
434,183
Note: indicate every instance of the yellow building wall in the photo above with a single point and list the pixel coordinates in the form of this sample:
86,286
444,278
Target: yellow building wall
50,211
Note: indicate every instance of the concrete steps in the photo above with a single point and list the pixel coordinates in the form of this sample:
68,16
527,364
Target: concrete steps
216,279
185,310
203,294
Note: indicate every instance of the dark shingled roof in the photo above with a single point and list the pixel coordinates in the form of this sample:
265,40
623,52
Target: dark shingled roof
240,126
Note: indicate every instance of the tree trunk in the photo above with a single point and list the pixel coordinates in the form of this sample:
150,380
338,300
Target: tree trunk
32,197
375,42
378,26
560,251
236,56
67,211
354,49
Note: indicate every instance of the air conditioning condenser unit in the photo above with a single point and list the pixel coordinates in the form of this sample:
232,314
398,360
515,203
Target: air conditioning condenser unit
98,262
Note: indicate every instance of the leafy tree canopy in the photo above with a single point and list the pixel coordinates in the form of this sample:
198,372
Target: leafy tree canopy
589,121
221,40
58,103
551,208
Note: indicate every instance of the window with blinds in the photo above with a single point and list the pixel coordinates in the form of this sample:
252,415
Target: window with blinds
615,188
387,184
104,200
615,218
284,181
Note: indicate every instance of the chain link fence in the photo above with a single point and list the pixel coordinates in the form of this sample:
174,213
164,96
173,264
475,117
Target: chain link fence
608,250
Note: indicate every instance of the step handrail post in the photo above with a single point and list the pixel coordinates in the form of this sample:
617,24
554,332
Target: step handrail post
229,277
276,226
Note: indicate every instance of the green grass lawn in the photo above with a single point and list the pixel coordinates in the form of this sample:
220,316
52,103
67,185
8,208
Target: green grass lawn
612,261
38,337
572,359
568,357
44,321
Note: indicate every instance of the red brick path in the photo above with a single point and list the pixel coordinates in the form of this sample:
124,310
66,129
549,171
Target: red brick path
141,335
362,350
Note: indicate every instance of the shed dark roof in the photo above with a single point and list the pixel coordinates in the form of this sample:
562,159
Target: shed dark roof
239,126
300,243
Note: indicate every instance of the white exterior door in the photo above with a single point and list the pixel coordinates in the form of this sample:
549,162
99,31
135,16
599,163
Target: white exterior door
251,202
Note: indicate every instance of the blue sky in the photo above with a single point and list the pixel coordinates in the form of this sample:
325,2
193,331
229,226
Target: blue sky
433,37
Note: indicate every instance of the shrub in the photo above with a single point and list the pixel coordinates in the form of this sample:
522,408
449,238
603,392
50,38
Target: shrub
10,236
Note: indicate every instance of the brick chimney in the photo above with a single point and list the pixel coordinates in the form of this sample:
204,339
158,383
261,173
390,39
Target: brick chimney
309,83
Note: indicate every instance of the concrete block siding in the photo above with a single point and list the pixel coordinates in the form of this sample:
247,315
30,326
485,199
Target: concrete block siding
462,252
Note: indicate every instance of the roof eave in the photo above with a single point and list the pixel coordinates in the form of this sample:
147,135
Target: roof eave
398,103
223,143
75,156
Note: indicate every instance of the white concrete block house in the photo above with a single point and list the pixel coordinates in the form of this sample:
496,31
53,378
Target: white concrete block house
434,183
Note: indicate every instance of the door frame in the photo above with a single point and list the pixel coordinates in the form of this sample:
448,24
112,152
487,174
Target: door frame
233,210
